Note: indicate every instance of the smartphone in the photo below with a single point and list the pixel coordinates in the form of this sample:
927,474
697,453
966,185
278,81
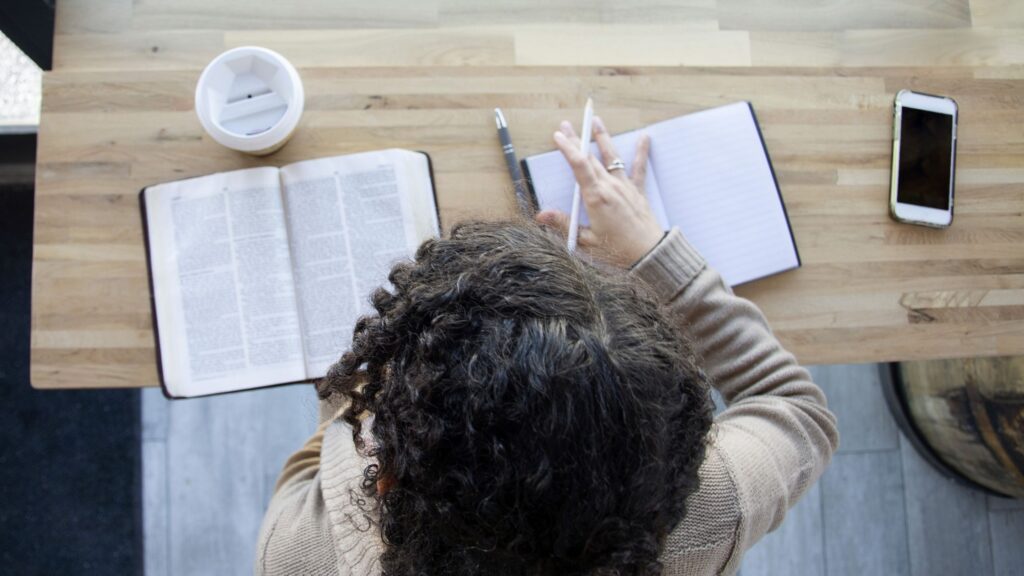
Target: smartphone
923,159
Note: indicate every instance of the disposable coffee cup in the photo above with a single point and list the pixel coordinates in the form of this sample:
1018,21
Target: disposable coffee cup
250,99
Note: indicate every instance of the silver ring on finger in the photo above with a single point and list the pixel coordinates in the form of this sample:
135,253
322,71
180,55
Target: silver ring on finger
616,165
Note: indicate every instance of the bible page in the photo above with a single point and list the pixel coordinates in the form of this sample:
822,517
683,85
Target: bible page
350,219
553,181
717,187
222,282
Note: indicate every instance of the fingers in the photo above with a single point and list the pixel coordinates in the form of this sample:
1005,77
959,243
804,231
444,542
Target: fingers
599,169
560,222
643,149
566,127
604,144
587,238
554,219
578,160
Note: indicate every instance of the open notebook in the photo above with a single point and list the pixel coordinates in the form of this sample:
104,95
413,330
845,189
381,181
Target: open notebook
258,275
710,175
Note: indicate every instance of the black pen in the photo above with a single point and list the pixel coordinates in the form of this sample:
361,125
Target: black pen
522,196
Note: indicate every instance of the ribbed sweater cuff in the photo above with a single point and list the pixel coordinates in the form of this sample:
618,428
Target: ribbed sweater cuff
670,266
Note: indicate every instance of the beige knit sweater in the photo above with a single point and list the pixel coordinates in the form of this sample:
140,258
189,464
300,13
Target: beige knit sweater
766,449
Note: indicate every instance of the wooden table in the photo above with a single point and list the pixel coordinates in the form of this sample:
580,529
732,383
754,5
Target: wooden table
118,115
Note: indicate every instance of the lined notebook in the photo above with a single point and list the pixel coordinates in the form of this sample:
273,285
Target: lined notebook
709,174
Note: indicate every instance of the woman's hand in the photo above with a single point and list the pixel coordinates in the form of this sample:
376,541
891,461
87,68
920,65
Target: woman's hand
622,227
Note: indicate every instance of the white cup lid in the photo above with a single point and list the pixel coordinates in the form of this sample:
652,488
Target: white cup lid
249,98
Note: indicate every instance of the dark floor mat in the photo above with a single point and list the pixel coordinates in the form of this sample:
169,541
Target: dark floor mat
70,464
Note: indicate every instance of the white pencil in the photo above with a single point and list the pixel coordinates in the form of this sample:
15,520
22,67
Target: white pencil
574,217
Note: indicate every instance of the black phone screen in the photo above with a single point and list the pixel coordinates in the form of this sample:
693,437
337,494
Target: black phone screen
926,148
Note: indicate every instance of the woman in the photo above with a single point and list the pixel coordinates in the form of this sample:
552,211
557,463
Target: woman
516,409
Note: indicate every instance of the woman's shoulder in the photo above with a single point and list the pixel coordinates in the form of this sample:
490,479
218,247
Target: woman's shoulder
326,525
351,514
295,537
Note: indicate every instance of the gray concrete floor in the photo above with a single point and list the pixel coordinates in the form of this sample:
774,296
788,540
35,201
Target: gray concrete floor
210,465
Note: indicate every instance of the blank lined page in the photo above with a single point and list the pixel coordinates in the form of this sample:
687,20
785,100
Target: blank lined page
717,186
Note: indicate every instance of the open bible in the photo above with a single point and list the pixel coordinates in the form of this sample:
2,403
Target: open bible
258,276
709,174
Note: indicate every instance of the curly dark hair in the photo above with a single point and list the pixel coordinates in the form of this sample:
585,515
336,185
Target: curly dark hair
533,412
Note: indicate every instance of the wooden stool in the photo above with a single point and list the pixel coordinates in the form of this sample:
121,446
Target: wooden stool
966,417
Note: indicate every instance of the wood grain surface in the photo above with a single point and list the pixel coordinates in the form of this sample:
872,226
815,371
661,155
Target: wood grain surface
118,115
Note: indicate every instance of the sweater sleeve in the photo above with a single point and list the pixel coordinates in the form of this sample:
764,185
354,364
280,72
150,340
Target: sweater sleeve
776,435
305,463
295,532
